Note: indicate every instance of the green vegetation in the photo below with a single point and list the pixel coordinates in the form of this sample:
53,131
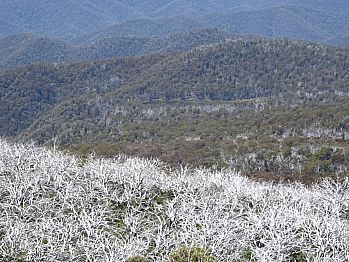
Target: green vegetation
246,256
34,89
2,233
24,49
265,107
299,257
292,72
191,254
137,259
276,141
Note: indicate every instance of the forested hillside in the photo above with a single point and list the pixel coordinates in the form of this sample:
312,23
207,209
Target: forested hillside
33,89
23,49
241,69
275,106
230,70
135,46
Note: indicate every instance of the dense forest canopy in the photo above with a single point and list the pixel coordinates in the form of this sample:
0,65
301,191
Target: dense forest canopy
23,49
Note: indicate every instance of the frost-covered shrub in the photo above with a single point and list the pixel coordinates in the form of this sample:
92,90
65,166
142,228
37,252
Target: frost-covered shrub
54,207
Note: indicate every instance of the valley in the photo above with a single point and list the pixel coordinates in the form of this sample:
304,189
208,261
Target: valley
177,131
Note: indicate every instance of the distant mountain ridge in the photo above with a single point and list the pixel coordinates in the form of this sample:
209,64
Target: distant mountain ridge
322,21
67,18
63,18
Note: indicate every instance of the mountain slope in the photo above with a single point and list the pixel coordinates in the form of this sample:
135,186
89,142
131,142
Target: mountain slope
168,8
341,41
309,20
30,91
240,69
191,107
145,28
11,27
91,21
22,49
230,70
267,107
64,18
68,18
315,23
135,46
